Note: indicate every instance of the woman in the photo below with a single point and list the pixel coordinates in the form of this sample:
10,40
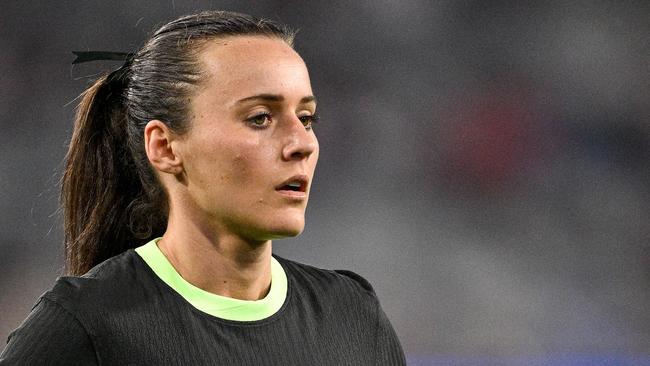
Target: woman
184,165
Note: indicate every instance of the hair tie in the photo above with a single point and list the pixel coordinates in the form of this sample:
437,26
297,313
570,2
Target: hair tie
101,56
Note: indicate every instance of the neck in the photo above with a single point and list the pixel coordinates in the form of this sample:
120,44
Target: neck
218,262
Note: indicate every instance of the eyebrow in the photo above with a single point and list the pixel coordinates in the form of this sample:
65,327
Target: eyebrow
275,98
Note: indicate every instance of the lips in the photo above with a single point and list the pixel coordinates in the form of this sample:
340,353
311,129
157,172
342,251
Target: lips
297,183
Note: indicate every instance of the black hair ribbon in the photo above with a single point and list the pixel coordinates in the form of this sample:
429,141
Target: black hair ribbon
101,56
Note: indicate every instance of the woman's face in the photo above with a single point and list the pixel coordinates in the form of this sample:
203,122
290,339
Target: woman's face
251,135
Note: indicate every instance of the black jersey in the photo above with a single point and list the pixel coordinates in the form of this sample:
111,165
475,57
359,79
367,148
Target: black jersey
121,313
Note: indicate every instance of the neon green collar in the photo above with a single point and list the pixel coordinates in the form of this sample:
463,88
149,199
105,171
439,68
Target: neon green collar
216,305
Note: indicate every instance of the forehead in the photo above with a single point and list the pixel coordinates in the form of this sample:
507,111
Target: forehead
249,64
230,47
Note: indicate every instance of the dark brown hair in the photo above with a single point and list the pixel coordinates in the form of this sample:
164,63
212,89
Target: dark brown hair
111,197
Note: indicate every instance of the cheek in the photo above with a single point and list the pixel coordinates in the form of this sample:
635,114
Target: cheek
248,162
316,153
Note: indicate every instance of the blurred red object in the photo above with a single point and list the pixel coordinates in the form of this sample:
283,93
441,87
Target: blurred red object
494,137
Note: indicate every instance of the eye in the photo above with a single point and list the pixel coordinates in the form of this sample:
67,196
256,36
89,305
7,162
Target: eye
261,120
308,121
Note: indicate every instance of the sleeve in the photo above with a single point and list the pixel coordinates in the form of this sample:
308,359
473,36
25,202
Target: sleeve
387,346
49,336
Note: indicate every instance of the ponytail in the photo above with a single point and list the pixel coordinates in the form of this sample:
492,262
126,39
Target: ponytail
104,202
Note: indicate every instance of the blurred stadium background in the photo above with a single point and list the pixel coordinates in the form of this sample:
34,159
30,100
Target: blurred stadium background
485,164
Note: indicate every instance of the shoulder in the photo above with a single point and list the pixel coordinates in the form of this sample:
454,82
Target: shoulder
70,316
49,327
337,284
116,278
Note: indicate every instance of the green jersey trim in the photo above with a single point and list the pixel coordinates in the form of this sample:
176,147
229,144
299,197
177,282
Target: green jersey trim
219,306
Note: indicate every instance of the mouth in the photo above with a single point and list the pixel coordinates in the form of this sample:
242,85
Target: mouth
295,186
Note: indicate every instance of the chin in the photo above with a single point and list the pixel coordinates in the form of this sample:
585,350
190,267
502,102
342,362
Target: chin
286,229
289,232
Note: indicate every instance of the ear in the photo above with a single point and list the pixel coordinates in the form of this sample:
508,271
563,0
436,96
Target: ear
158,140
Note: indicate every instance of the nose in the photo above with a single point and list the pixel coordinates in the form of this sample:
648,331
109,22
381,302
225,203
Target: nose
300,142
